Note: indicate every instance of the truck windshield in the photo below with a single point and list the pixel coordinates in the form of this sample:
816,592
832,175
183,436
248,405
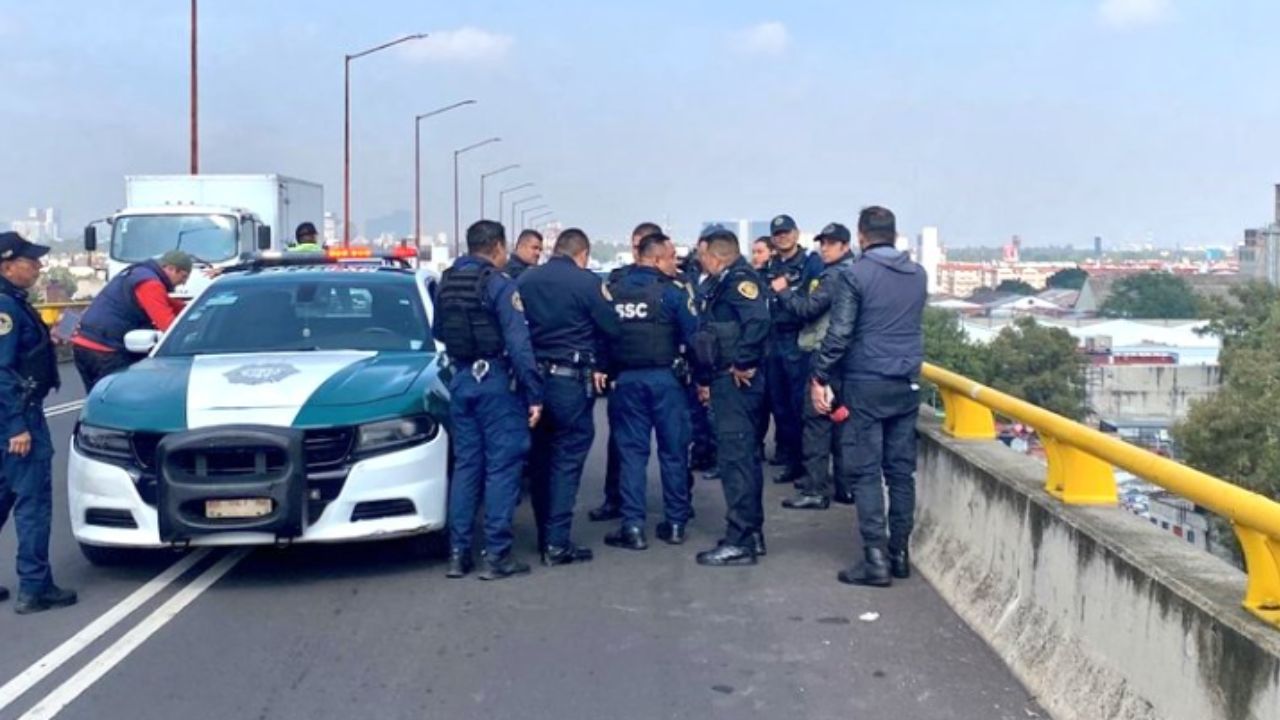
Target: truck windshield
210,238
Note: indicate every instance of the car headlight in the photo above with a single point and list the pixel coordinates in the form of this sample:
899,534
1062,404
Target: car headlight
104,443
387,435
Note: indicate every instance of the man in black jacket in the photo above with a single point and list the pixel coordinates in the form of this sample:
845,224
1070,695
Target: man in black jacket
875,340
818,442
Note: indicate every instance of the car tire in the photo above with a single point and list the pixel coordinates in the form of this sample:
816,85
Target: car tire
101,556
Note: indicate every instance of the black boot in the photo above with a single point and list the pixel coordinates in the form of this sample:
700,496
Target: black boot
47,599
806,502
4,593
553,555
873,570
843,496
502,567
605,512
900,563
725,554
757,544
627,537
790,475
460,564
671,533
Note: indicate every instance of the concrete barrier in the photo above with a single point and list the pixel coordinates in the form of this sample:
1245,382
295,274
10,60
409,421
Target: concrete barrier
1098,613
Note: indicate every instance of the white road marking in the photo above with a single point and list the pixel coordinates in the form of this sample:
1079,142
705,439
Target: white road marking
63,408
68,691
43,667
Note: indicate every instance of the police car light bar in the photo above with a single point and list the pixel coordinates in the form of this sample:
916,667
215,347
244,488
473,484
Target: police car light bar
362,256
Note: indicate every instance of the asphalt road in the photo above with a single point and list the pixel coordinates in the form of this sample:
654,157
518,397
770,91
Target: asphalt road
376,631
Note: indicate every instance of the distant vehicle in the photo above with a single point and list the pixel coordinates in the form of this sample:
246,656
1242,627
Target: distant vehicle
298,399
218,219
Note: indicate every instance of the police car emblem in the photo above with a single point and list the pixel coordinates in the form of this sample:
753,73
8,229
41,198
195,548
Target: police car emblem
260,373
748,290
6,324
516,302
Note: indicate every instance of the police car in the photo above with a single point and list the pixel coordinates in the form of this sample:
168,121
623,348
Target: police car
298,399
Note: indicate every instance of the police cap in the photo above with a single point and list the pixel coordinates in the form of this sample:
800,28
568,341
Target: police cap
14,246
835,232
782,224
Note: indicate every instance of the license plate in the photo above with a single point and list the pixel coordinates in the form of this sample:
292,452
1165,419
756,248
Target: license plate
238,508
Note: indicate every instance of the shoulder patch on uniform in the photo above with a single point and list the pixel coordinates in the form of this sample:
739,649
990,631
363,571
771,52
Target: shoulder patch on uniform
604,290
6,324
813,284
516,302
678,283
748,290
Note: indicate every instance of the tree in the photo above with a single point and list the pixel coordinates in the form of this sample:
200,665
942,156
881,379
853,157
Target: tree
946,344
1017,287
1151,295
1235,319
1067,279
1038,364
59,285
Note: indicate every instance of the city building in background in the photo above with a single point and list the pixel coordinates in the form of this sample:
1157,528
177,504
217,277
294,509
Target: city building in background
1260,253
39,226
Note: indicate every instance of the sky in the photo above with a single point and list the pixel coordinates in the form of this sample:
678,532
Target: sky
1056,120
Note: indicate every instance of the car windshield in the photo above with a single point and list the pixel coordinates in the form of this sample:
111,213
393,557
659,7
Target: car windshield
303,311
211,238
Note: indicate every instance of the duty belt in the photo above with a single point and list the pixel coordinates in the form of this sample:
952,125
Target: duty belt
572,372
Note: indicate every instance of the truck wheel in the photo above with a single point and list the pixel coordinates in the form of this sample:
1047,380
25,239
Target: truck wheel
108,556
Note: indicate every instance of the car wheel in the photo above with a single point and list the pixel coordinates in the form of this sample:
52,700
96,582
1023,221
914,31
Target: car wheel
108,556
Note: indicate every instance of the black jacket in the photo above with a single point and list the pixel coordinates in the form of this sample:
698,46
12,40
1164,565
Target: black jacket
877,311
810,303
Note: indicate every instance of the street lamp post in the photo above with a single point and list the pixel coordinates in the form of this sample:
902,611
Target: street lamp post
456,245
517,203
417,167
539,216
346,128
195,97
524,213
502,199
482,179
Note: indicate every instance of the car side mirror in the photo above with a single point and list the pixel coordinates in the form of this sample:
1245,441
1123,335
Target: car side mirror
90,238
264,237
141,342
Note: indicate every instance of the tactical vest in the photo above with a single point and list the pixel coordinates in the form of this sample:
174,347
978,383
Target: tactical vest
116,310
726,332
467,328
37,366
648,337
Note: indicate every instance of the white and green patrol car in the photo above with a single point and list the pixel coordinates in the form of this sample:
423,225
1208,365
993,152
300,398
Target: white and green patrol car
295,401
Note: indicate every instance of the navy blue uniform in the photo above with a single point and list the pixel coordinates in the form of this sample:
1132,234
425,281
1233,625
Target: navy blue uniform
490,430
613,461
571,325
516,267
702,452
648,397
787,369
28,372
735,312
875,341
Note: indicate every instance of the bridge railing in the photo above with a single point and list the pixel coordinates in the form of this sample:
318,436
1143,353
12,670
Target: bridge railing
1081,472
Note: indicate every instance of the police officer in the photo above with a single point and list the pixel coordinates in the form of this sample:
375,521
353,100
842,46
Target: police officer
611,509
875,339
729,350
787,366
305,239
527,253
571,324
28,371
137,298
480,320
702,452
658,322
818,442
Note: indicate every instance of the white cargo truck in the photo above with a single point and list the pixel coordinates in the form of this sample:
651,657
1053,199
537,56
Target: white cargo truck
215,218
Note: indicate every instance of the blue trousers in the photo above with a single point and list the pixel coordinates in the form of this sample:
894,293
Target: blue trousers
26,491
561,442
787,373
649,402
881,442
735,411
490,440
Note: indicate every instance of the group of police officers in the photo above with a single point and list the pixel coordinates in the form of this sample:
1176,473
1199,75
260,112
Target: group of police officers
697,355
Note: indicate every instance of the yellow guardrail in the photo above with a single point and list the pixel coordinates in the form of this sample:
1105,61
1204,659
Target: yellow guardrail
50,312
1081,462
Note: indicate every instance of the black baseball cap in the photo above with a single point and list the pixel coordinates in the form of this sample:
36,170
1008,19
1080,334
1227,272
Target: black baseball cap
836,232
781,224
14,246
306,228
713,230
